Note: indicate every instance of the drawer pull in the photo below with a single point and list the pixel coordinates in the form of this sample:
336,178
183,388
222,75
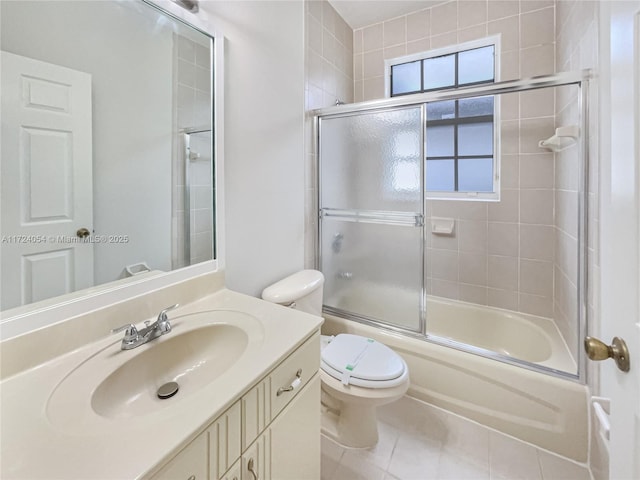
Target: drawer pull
295,384
252,470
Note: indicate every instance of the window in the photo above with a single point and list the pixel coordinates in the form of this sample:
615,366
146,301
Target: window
461,158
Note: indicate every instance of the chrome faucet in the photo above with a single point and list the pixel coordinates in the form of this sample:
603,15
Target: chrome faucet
134,338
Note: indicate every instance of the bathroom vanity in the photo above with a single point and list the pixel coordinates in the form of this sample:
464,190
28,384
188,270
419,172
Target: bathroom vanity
247,406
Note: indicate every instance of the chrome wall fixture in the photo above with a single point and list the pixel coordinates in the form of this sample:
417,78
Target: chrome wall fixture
578,79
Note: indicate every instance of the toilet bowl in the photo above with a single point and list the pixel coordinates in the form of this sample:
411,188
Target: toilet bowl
357,374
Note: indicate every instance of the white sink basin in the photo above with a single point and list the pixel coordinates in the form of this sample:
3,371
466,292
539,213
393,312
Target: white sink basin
114,384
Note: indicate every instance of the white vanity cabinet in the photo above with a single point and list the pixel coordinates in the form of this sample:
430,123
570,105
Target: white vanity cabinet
271,433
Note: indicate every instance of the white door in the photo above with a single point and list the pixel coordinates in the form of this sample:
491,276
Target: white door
620,225
46,168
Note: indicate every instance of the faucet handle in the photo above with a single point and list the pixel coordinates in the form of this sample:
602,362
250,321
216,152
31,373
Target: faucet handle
130,330
162,316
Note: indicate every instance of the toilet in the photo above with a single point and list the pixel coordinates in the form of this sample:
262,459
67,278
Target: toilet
357,374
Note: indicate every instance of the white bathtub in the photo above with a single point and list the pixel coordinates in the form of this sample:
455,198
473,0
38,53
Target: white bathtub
547,411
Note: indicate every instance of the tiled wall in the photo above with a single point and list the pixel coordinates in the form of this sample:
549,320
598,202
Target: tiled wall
501,253
527,29
328,77
192,80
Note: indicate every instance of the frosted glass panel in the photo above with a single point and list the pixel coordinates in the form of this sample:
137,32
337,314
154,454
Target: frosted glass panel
475,65
439,72
405,78
371,161
475,139
475,175
373,270
473,107
441,110
440,176
440,141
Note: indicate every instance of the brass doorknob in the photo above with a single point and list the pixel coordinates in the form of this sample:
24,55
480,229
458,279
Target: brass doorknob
83,232
598,350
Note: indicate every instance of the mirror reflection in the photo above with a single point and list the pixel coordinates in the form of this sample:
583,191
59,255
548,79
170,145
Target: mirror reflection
107,165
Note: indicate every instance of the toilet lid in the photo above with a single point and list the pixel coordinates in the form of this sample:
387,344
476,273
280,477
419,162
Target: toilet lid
355,357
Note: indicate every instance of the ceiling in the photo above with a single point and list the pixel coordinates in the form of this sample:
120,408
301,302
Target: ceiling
360,13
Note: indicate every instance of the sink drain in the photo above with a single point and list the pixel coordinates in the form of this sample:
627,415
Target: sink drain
168,390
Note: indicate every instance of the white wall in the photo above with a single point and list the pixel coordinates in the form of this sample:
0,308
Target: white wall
131,135
264,154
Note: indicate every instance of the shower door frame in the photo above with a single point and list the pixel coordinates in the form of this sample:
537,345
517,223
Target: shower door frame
576,78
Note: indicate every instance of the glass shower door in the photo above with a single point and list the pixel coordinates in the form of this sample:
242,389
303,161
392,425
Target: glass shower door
371,215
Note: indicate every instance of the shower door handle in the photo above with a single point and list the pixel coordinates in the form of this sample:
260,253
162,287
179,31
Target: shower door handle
598,350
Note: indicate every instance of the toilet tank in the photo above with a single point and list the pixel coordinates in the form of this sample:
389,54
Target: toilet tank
302,291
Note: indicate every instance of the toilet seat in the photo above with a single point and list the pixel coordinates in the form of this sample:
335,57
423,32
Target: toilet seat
363,362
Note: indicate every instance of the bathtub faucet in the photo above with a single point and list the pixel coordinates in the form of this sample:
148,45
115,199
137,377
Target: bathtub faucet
345,275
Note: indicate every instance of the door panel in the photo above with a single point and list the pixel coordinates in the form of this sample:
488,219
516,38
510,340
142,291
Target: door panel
46,168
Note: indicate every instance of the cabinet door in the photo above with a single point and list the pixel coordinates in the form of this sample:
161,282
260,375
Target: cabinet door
190,464
224,442
256,463
295,437
234,473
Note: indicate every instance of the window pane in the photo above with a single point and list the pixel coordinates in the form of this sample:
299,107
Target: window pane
405,78
473,107
475,65
439,72
475,175
475,139
441,110
440,176
440,141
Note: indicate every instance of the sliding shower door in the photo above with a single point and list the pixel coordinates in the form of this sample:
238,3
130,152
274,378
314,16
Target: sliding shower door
371,215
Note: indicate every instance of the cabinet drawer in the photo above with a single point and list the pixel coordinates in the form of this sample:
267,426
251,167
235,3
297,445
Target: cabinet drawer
305,361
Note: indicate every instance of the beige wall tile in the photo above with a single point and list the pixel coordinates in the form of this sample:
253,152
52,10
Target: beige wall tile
530,5
510,137
444,241
472,33
395,32
445,288
503,239
358,63
444,18
537,242
566,205
537,103
473,294
502,299
536,207
509,171
444,265
328,46
373,88
503,273
510,65
532,130
314,34
372,37
507,209
509,30
418,25
536,277
357,41
471,12
444,40
537,28
537,170
395,52
536,61
373,64
503,8
419,46
509,106
314,7
473,268
472,236
535,305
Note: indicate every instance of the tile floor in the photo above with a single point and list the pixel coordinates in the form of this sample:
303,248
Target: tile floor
422,442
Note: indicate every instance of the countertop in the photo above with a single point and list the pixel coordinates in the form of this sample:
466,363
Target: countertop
34,447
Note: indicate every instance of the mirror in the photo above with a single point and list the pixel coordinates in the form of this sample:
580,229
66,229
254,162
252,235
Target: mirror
107,157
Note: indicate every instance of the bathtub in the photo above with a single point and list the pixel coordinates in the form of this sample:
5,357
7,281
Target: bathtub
545,410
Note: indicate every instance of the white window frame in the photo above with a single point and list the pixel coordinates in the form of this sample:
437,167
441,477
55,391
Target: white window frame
495,41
